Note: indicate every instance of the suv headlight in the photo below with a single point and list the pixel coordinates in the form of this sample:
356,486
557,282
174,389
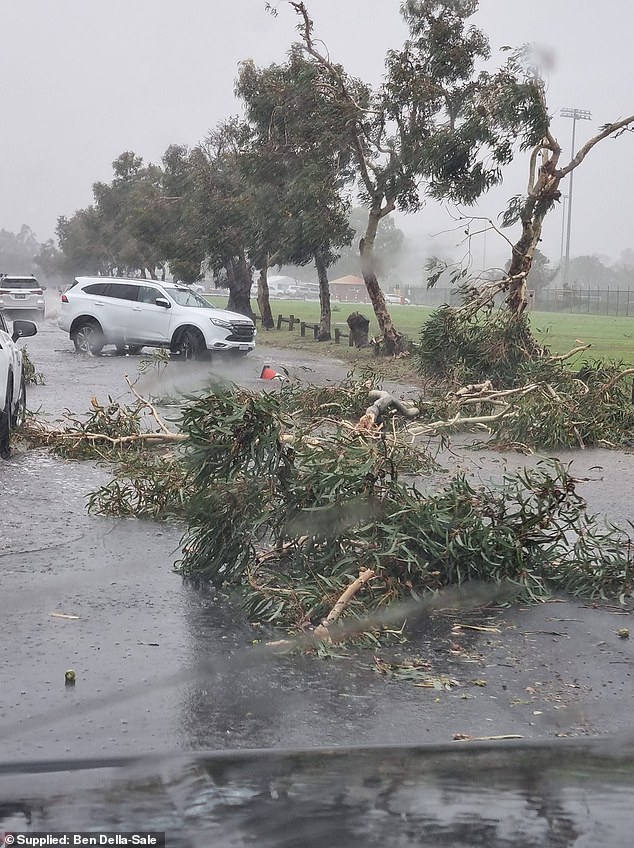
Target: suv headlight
220,323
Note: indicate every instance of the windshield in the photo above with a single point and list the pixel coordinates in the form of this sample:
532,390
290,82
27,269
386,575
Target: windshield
187,297
13,283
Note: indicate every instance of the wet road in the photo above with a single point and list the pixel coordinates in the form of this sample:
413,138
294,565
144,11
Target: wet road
162,666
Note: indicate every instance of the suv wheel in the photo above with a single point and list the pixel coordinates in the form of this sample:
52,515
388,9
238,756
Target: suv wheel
191,345
88,338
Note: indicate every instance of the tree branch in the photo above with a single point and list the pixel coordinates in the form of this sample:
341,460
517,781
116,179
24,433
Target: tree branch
587,147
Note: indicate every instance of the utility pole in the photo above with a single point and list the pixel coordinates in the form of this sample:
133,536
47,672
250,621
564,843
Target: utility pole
576,115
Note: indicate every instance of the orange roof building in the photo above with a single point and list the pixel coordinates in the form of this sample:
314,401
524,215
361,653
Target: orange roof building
349,289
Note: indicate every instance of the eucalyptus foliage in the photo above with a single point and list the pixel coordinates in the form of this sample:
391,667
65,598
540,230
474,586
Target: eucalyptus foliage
467,349
570,407
289,517
32,377
285,500
566,407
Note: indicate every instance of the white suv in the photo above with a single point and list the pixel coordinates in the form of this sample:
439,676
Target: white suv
132,314
21,293
12,383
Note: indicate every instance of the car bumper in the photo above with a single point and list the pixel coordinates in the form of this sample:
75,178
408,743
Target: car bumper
219,346
240,338
7,304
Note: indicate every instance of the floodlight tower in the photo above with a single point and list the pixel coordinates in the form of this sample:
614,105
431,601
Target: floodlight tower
564,207
576,115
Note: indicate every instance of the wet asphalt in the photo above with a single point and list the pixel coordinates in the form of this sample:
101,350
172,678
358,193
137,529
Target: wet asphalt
162,666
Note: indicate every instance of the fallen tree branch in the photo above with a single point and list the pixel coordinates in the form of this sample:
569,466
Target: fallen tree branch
446,424
37,430
322,633
365,575
382,402
148,405
570,353
624,373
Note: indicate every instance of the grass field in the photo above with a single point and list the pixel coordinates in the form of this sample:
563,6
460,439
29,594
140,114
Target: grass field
610,337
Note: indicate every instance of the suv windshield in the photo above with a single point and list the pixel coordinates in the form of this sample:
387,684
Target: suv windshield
13,283
187,297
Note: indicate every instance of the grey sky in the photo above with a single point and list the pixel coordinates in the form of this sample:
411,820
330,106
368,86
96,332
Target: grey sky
83,80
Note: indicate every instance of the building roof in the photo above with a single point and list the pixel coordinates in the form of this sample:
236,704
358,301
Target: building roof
348,280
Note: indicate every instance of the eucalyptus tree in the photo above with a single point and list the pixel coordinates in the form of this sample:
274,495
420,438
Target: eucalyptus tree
222,206
208,205
18,251
299,166
436,127
476,341
81,246
132,217
546,172
121,232
183,240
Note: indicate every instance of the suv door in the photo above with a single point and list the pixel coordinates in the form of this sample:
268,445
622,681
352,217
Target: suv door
118,302
148,323
110,304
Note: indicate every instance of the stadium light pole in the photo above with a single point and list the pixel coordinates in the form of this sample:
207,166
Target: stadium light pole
576,115
564,202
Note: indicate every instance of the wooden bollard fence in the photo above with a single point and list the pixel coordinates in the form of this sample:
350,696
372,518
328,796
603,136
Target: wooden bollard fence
313,327
339,334
291,321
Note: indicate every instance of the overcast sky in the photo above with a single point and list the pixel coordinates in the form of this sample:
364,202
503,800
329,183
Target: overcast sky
84,80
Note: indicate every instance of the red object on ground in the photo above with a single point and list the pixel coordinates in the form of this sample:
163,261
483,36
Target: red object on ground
269,374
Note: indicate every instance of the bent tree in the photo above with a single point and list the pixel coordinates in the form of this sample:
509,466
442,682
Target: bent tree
436,127
217,207
457,339
545,176
297,171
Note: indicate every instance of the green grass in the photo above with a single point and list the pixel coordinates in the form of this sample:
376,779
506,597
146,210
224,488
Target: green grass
610,337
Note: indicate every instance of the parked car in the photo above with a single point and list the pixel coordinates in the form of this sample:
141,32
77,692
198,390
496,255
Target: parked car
396,298
21,293
132,314
12,382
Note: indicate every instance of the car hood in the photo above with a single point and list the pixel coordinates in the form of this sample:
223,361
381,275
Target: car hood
227,315
221,314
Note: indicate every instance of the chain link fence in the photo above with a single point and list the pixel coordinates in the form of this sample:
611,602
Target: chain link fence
618,303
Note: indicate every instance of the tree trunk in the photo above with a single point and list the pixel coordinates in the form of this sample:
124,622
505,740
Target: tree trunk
264,303
359,328
239,280
522,258
325,316
393,341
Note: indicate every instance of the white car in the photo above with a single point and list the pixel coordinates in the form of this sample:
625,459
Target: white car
21,293
132,314
396,298
12,382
